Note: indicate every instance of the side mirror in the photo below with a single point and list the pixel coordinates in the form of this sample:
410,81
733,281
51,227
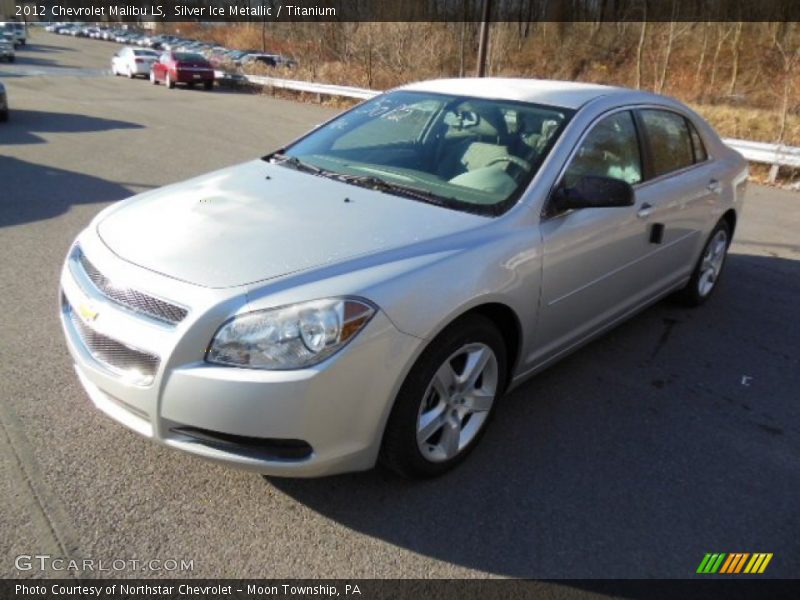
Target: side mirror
594,192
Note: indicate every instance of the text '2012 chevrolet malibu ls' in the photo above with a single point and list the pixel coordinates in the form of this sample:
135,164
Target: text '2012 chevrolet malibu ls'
369,291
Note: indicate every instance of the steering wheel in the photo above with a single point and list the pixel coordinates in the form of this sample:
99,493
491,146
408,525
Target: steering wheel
516,160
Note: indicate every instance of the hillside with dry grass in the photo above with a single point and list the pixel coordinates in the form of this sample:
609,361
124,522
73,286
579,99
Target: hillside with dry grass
743,77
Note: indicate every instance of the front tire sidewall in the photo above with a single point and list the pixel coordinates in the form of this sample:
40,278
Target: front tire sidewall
399,449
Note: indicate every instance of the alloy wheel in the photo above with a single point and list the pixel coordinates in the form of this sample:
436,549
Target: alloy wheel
712,262
457,402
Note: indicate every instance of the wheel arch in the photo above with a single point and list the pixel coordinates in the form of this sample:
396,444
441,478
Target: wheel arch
508,323
730,218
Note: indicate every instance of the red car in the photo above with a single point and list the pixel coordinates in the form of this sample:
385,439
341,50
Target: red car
182,67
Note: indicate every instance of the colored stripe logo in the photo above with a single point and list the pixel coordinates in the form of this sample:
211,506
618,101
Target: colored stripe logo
735,562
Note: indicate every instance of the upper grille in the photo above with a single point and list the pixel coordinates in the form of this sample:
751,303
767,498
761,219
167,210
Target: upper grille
115,356
129,298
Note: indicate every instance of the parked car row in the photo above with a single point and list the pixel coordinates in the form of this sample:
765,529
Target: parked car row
169,67
218,56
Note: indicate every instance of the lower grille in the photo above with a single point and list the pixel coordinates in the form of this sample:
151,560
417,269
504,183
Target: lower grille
129,363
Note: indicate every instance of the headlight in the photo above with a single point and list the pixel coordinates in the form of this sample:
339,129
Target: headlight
290,337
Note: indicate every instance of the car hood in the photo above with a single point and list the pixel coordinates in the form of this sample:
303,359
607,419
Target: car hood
258,221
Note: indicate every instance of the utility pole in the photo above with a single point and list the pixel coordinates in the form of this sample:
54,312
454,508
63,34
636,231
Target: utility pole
484,38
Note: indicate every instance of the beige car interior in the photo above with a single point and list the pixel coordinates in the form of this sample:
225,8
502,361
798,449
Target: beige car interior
482,147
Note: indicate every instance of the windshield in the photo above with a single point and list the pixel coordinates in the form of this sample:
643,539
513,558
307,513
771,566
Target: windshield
465,153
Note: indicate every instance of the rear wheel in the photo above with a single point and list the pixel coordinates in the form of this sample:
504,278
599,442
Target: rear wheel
446,401
709,267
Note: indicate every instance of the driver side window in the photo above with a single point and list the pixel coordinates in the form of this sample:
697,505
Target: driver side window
611,149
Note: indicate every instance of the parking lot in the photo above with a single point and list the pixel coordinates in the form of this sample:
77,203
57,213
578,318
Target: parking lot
675,435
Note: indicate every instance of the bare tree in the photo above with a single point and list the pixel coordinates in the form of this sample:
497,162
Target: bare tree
735,65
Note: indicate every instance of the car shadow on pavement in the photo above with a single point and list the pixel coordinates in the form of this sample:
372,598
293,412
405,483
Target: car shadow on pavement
23,60
673,435
23,125
32,192
35,47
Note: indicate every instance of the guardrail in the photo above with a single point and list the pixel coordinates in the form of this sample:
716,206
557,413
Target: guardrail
324,89
776,155
771,154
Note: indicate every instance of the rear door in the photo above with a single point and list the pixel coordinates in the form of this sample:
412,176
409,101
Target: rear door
681,185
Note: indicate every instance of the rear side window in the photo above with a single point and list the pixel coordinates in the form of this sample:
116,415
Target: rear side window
671,145
700,154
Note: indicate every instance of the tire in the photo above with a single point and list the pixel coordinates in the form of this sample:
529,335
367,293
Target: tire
4,116
708,269
190,85
169,82
153,79
437,390
208,85
12,59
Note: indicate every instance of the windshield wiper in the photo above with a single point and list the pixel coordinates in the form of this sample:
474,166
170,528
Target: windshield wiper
382,185
368,181
295,163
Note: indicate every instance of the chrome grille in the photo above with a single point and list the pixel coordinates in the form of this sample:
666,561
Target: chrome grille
115,356
131,299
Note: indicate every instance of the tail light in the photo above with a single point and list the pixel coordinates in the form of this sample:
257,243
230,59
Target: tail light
139,60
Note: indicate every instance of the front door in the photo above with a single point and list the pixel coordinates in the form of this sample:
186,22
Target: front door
592,261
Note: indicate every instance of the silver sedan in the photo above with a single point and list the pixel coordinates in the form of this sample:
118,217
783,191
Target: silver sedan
368,292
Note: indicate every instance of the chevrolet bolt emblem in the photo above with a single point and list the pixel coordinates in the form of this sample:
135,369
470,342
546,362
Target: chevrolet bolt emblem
87,312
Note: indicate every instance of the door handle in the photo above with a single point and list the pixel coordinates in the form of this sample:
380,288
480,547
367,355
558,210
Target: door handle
645,211
714,186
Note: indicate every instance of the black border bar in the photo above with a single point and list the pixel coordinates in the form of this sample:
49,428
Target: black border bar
730,588
406,10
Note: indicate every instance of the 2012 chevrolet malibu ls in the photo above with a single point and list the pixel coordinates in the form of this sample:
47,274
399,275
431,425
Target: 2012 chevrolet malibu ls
370,290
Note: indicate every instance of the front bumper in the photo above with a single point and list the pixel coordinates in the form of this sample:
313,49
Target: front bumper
316,421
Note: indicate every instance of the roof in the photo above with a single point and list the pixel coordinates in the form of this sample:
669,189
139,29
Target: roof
567,94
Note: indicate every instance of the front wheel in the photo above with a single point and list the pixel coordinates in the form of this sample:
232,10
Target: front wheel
446,401
708,270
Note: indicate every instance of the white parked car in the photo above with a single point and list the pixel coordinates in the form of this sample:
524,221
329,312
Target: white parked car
133,62
17,29
7,51
370,290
